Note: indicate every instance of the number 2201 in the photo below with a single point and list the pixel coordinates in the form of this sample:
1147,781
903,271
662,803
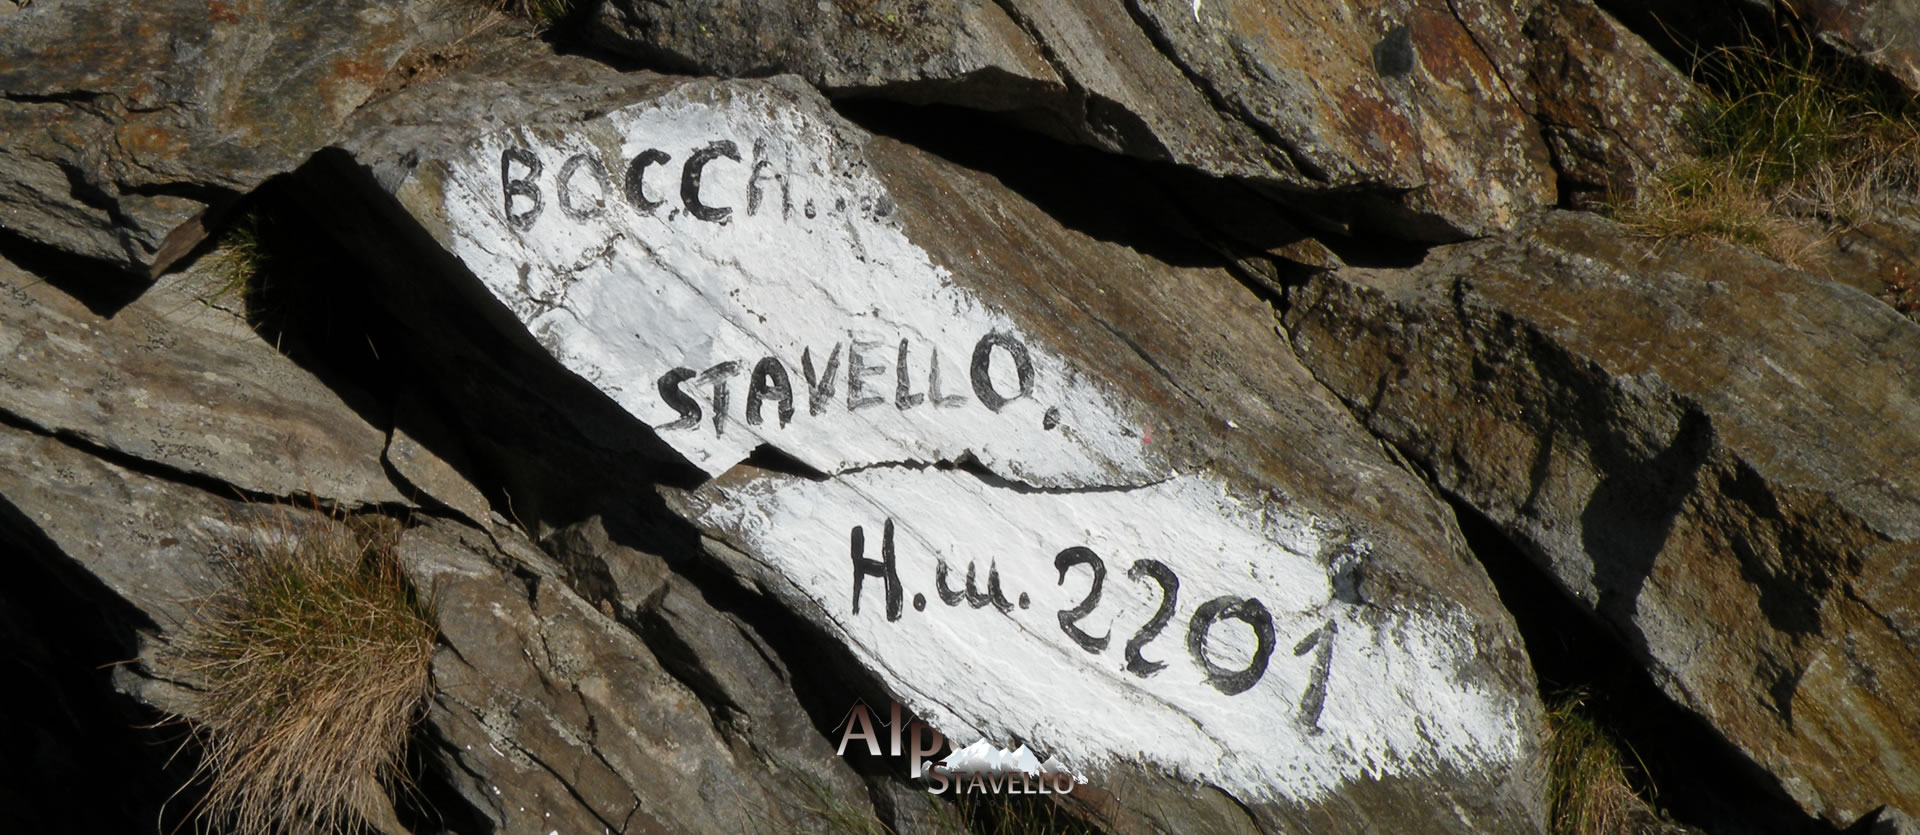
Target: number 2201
1209,614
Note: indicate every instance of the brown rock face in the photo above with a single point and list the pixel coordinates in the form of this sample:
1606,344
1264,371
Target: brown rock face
1884,33
120,124
1705,449
546,713
175,383
644,233
1395,95
1403,98
964,52
1613,111
705,407
553,715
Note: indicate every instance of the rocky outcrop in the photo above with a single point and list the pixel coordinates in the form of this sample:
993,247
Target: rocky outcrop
864,350
122,126
710,413
547,713
1882,34
176,384
1414,97
141,537
1878,36
1614,113
964,52
1411,99
1703,448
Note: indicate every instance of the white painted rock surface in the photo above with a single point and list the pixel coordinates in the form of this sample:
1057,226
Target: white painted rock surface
725,267
1287,634
1170,623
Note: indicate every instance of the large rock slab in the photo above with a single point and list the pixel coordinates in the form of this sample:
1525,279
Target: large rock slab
1882,33
1399,95
1418,99
1614,112
1707,450
544,714
895,375
549,715
148,540
966,52
122,123
176,383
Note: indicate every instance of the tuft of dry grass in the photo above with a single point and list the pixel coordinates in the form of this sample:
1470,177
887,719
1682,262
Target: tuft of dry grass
1699,200
1795,143
1589,793
1788,109
1019,814
543,14
314,662
237,265
837,815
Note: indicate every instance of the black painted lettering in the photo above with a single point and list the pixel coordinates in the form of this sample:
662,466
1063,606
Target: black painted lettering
972,594
983,365
1314,698
1069,618
903,399
524,187
763,169
948,594
994,595
820,388
563,186
636,183
769,379
1254,614
691,172
1169,583
884,568
857,372
681,402
717,377
940,400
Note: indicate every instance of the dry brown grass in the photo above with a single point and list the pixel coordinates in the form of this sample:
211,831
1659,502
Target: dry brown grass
1587,775
314,666
1796,143
1702,201
543,14
236,266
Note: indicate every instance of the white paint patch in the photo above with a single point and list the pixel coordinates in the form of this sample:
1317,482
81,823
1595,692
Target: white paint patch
1392,702
800,258
706,257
